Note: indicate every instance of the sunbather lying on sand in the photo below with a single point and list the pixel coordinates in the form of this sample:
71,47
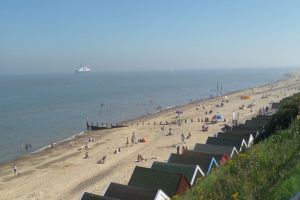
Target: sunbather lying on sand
102,160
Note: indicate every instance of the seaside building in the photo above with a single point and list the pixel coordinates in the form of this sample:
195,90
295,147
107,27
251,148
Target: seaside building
220,158
206,163
248,137
239,144
230,151
169,182
191,172
254,127
129,192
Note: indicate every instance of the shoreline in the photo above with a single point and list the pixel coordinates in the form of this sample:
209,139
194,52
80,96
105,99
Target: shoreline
131,122
62,172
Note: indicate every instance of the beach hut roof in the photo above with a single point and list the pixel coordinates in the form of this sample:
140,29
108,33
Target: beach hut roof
254,123
217,157
262,117
191,172
203,161
171,183
235,135
90,196
216,149
248,138
243,132
128,192
257,123
243,127
237,142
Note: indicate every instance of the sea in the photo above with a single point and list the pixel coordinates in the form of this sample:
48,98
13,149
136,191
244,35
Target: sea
40,109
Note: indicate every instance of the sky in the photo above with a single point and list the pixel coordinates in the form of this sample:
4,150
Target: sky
52,36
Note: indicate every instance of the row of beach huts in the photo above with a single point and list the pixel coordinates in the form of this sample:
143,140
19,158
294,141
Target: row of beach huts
174,177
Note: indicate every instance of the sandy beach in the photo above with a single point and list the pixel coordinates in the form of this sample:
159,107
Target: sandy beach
63,173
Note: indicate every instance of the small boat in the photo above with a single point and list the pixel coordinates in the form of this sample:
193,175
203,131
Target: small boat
83,69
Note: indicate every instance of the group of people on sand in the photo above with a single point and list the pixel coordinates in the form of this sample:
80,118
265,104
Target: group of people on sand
183,137
136,141
140,158
184,149
263,111
118,150
85,147
205,127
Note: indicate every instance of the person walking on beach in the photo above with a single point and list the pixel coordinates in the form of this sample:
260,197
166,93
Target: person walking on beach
182,138
133,138
178,149
15,169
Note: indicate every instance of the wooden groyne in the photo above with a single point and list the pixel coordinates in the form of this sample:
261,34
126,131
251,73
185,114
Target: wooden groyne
102,125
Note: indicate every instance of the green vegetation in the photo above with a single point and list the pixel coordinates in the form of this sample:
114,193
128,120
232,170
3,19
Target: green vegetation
266,170
288,186
283,117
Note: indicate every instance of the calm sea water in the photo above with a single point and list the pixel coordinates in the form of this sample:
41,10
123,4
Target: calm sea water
38,109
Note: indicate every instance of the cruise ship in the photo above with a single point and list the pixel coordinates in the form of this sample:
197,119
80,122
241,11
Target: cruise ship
83,69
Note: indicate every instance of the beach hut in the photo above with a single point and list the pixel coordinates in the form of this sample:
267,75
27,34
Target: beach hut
206,163
171,183
255,131
248,127
220,158
191,172
240,144
249,138
230,151
128,192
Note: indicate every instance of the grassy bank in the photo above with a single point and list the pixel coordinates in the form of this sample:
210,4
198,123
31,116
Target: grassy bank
288,186
263,170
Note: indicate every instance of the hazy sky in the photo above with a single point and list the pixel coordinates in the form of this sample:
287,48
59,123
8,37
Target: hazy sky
58,35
